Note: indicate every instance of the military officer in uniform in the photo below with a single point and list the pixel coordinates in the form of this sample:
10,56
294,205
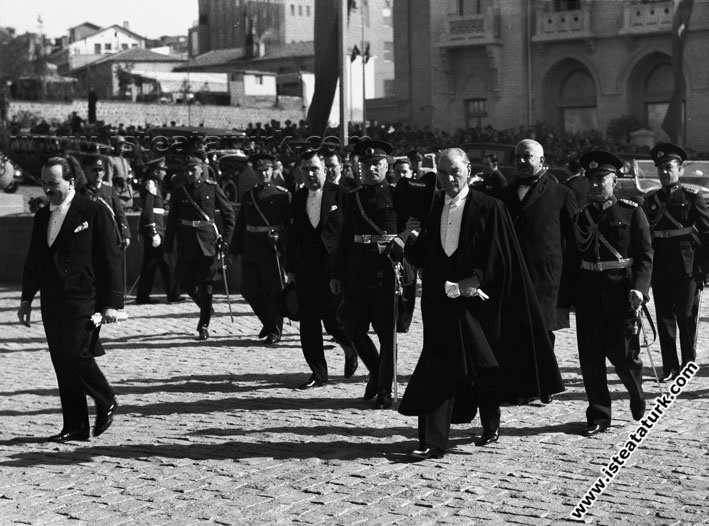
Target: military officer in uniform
363,271
191,221
94,169
260,240
152,228
606,276
679,222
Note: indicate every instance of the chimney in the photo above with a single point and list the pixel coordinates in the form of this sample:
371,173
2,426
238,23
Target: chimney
126,25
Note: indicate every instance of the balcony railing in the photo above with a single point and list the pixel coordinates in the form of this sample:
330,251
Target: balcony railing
640,18
470,30
562,25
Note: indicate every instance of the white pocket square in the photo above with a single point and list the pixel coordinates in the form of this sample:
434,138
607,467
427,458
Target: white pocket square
333,207
82,226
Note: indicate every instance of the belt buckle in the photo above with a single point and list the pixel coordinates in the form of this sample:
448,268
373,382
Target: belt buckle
366,239
597,267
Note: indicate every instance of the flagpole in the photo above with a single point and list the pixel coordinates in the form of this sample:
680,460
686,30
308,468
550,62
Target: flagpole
364,64
344,74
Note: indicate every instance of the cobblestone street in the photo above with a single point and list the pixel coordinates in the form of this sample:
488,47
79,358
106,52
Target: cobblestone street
216,432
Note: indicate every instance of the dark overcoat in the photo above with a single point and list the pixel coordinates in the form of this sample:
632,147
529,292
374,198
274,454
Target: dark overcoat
464,335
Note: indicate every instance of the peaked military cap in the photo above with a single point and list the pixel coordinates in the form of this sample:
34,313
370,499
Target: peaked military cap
598,164
156,161
93,161
666,151
370,150
262,161
194,158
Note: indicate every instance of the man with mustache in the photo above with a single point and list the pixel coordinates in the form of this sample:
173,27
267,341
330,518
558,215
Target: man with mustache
74,260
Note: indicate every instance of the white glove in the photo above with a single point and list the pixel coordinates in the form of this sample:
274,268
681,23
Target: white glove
156,241
635,297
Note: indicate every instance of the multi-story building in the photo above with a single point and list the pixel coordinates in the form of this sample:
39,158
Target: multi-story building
575,64
226,24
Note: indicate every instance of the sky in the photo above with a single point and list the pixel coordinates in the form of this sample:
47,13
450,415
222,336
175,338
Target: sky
148,18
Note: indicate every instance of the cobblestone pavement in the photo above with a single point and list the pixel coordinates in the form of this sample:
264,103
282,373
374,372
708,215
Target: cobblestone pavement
216,433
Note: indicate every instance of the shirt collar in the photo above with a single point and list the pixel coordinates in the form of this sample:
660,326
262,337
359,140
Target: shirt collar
66,203
458,198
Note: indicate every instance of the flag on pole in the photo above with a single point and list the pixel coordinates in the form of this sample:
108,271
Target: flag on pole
672,124
366,56
355,53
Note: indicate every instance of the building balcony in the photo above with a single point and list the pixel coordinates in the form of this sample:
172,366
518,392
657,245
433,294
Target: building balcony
645,18
562,25
470,30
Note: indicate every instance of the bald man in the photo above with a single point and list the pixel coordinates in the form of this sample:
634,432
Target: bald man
541,210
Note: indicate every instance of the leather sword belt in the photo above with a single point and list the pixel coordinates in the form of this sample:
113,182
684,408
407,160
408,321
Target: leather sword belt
196,224
664,234
366,239
600,266
262,229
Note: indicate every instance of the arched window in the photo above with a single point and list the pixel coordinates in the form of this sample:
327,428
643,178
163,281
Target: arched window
577,101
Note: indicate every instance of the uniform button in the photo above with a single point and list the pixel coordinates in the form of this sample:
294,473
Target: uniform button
66,270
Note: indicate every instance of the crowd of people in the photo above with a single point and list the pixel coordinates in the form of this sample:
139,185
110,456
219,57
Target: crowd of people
349,232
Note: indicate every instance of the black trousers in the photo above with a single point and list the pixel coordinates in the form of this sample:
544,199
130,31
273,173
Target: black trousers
260,285
677,308
154,259
434,428
607,335
71,337
317,306
196,277
376,305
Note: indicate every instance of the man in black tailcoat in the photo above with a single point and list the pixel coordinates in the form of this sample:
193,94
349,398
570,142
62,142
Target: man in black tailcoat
316,222
541,211
484,341
74,260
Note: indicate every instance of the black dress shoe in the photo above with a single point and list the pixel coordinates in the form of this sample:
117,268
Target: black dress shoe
145,301
383,401
203,333
637,408
65,436
594,429
488,437
272,338
547,399
371,390
425,454
263,333
104,418
311,383
351,362
668,377
402,330
176,299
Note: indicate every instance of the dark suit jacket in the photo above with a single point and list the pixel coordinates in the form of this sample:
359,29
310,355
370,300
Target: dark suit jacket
298,255
542,222
81,273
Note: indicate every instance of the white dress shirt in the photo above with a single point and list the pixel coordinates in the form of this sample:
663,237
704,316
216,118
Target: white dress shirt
451,219
57,215
313,205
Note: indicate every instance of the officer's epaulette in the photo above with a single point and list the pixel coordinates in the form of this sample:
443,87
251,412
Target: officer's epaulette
628,202
689,189
282,189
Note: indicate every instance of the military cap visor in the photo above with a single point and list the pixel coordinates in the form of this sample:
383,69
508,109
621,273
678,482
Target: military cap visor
372,151
158,162
94,162
262,161
666,152
600,164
